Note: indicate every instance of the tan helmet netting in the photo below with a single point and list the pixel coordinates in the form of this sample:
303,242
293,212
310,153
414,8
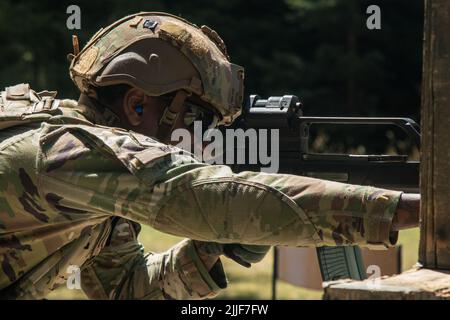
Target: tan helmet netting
160,53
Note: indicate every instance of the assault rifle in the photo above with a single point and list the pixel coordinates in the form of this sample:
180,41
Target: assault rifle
285,113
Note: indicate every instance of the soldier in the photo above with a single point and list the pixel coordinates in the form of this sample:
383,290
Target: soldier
79,177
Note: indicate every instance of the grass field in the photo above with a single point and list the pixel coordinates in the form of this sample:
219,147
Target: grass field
253,283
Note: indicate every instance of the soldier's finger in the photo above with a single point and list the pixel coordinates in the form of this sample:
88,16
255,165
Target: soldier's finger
248,256
255,248
230,254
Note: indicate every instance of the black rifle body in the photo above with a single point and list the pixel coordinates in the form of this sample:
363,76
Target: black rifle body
385,171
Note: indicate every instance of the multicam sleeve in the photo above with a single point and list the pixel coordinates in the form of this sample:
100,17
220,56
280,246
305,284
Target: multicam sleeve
123,271
274,209
109,171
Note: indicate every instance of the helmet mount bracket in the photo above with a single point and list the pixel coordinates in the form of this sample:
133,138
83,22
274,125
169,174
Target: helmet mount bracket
170,115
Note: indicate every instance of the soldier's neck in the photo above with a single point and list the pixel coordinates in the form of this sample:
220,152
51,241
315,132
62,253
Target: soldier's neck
96,112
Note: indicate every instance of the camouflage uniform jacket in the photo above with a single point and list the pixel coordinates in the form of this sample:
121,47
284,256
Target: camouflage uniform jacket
74,189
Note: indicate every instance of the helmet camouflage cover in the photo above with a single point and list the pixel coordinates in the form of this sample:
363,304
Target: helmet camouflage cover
160,53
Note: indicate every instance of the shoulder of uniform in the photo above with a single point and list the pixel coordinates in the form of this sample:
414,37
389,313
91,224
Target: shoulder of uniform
68,103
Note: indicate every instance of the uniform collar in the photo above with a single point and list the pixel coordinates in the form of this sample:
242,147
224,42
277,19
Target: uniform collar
97,113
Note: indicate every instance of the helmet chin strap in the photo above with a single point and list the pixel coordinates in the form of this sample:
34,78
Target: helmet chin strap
170,116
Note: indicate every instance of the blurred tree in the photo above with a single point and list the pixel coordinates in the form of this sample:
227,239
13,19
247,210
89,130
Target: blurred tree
320,50
353,70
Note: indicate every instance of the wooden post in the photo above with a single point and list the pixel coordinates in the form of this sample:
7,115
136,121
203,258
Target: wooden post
433,280
434,249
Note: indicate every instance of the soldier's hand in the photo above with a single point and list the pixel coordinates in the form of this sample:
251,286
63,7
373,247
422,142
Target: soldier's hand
407,214
245,254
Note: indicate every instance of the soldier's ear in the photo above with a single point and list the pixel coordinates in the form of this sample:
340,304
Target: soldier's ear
134,106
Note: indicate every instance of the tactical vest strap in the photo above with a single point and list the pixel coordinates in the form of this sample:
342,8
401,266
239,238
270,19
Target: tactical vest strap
46,105
18,92
19,104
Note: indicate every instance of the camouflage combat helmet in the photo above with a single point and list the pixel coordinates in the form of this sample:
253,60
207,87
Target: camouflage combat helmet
160,53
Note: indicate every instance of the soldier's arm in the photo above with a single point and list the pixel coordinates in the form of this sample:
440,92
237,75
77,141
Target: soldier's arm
122,271
116,172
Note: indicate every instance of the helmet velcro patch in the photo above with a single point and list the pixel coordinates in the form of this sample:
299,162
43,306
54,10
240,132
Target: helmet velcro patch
83,65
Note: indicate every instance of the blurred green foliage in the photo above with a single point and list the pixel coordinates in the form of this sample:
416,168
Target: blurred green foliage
320,50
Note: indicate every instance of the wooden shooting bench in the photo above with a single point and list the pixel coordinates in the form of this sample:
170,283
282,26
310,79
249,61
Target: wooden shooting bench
431,279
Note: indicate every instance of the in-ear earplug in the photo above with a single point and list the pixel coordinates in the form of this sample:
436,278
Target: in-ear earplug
139,109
